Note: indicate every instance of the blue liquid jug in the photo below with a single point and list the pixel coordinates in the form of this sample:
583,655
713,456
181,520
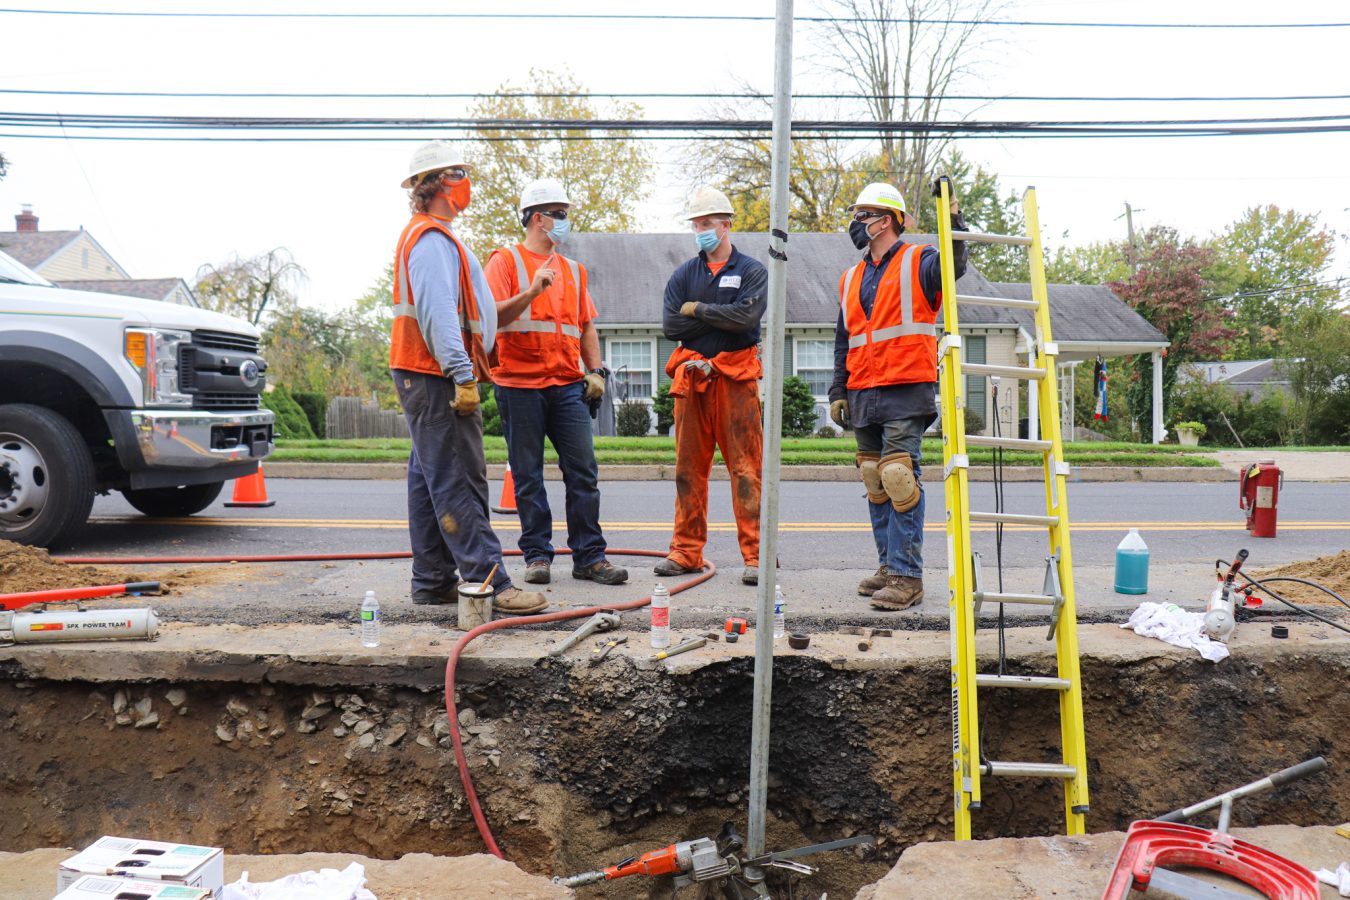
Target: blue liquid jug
1132,564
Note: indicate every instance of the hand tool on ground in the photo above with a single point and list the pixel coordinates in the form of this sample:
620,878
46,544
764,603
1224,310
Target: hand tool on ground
28,598
684,647
1150,845
865,643
715,864
601,621
603,648
24,626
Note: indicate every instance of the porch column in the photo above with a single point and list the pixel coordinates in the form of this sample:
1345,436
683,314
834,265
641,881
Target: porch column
1034,408
1158,431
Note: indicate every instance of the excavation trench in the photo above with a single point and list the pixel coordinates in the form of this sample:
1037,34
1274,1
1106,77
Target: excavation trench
578,767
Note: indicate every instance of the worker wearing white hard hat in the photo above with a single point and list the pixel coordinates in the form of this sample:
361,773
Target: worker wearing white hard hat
885,374
445,324
713,306
548,375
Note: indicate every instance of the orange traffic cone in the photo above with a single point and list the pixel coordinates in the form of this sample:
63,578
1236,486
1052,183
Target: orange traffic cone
251,490
508,502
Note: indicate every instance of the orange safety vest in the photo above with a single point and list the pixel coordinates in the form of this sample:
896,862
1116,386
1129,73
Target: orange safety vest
542,347
408,348
898,344
738,365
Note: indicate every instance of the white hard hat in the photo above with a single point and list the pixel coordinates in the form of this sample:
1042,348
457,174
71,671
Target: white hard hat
542,191
432,156
708,201
880,195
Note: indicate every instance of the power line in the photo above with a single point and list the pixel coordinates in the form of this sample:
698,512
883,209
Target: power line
659,17
538,95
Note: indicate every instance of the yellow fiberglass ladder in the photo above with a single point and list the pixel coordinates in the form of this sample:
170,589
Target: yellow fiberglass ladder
964,579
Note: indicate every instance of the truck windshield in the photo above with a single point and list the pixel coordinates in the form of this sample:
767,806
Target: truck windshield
14,272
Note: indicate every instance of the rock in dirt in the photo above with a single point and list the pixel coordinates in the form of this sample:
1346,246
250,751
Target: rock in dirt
395,735
363,726
176,697
225,733
143,708
236,707
149,721
366,741
119,702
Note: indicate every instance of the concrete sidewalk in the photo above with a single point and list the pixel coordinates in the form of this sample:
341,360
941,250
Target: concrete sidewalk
1296,465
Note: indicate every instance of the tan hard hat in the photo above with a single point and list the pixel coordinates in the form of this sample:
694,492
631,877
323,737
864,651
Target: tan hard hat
708,201
432,156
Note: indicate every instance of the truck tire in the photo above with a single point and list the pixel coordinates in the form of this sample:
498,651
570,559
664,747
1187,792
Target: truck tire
172,502
46,476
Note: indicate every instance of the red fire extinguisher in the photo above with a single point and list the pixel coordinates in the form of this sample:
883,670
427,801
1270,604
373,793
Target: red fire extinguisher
1259,495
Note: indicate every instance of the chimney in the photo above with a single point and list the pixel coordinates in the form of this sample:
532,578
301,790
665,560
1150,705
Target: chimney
26,221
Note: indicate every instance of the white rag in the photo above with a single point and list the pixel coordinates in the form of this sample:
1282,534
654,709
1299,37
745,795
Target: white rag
1173,625
326,884
1340,879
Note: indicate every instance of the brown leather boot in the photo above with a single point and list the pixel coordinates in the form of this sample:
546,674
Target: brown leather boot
900,592
873,583
512,601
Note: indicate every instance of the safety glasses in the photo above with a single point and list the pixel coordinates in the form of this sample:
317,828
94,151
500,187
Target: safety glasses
556,215
455,174
867,215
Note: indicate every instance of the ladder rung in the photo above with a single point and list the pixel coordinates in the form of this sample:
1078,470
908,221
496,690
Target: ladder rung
999,518
1009,302
1033,599
1003,371
1022,681
980,237
1028,770
1007,443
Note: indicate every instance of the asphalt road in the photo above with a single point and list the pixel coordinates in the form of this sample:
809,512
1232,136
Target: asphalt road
825,546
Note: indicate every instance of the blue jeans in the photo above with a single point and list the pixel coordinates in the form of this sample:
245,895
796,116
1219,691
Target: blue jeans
447,489
899,536
560,414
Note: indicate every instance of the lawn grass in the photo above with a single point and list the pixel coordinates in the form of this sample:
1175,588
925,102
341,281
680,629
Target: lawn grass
796,452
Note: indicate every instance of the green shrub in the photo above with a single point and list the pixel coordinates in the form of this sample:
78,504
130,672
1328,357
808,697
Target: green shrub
799,408
664,407
291,421
492,416
634,420
1267,422
827,431
315,405
974,421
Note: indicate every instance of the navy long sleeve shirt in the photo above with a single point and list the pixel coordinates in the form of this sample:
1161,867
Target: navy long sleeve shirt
878,405
730,304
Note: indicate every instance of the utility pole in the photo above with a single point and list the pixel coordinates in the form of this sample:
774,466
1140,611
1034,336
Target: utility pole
1129,228
772,352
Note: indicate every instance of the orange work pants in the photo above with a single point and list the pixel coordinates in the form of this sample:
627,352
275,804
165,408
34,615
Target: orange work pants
724,415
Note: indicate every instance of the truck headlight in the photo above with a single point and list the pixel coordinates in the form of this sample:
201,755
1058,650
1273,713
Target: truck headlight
153,353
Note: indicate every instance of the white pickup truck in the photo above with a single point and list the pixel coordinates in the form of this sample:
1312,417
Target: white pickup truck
101,393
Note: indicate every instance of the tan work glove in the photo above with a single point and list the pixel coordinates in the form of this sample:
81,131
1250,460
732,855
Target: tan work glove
595,386
466,398
689,308
839,413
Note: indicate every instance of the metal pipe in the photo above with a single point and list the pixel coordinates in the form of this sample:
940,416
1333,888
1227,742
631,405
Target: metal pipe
781,151
58,595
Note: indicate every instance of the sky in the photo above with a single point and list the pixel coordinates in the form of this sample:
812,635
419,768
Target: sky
163,208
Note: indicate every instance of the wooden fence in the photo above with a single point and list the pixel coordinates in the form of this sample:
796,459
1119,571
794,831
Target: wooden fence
353,417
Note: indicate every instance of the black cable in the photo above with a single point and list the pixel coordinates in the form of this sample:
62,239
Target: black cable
660,17
1295,606
352,138
1323,588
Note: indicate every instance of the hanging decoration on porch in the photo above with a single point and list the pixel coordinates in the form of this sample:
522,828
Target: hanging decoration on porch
1099,389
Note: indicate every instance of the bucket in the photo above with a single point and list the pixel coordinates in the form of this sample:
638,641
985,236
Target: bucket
475,605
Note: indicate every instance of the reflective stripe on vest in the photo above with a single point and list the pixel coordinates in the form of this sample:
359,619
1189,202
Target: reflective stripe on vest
892,352
408,347
526,322
907,326
403,289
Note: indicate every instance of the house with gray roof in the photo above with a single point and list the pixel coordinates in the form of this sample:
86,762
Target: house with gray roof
73,259
628,274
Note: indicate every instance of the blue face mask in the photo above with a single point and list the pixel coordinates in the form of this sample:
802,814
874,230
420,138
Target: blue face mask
707,240
560,230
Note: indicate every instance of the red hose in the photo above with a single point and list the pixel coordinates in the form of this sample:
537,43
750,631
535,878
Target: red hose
496,624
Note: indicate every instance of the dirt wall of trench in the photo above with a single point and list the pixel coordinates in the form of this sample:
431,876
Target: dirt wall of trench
580,767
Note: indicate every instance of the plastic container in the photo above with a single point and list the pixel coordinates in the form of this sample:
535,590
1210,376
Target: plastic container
1132,564
475,605
779,619
660,617
370,621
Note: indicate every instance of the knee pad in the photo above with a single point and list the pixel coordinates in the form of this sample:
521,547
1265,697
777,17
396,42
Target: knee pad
897,477
866,462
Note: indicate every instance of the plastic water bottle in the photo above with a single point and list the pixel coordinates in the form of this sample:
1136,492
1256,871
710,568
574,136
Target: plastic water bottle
660,617
370,621
779,620
1132,564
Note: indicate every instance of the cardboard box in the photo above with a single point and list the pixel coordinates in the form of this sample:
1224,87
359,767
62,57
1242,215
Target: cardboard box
147,861
98,887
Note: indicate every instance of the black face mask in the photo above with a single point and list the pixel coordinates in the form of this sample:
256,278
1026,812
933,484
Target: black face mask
857,232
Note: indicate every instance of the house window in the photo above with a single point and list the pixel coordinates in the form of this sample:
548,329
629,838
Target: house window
815,364
631,363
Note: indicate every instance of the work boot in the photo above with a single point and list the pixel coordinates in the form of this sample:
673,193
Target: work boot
538,571
603,572
424,597
873,583
669,566
750,575
512,601
900,592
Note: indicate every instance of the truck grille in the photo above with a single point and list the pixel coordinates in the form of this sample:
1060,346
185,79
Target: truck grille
209,369
225,341
223,400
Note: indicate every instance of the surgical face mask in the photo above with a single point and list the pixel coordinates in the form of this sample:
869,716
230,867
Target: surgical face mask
860,233
560,230
707,240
